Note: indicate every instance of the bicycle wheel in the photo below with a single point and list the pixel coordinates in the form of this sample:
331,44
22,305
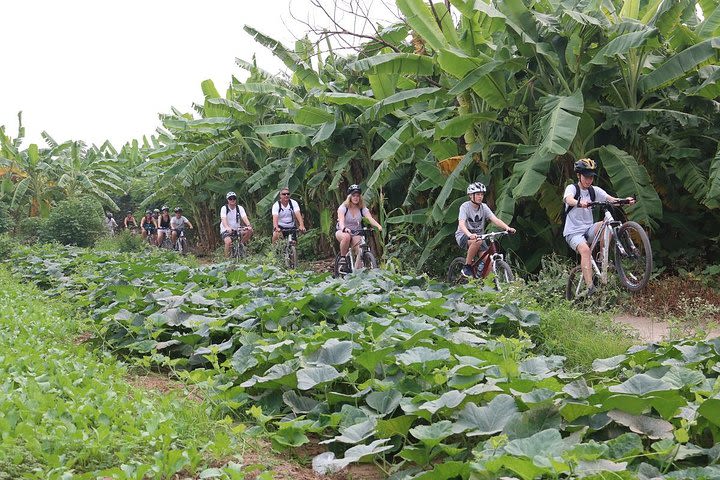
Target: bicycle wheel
453,275
182,246
503,273
369,260
238,250
291,257
575,284
633,256
338,269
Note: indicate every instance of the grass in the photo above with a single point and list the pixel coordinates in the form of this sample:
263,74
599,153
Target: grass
579,336
66,411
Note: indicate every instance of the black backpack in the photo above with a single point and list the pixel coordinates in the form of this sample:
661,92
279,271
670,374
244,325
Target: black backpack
566,208
237,212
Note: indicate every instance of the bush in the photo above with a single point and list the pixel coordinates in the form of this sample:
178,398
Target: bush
77,221
5,220
123,242
7,245
29,228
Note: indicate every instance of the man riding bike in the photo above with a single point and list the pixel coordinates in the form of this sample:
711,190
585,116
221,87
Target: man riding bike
177,223
471,224
231,215
286,215
580,227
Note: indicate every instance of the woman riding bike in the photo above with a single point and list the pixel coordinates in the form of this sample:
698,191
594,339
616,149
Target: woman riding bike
350,214
163,224
147,225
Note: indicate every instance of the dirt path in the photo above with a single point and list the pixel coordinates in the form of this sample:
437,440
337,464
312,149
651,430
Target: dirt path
654,330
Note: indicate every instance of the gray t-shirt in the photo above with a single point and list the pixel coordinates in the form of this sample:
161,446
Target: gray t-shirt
580,219
353,219
176,223
474,217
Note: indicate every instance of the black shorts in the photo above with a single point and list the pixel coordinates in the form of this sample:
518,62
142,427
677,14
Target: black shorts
287,231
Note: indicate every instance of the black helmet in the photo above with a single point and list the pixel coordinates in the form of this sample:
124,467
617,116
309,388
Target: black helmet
354,188
109,215
128,212
178,209
586,167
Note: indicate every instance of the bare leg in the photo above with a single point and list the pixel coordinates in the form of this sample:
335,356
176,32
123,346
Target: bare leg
473,249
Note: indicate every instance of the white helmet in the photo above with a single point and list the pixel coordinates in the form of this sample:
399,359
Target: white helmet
475,187
230,194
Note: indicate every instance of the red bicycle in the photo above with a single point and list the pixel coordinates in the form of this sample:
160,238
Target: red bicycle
490,260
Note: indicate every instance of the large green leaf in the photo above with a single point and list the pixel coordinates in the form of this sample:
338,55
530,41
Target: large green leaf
346,99
421,19
558,126
680,64
395,63
487,420
622,44
398,101
631,179
302,70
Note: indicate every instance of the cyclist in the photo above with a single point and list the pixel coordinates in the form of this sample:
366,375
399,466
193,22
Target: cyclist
163,224
147,225
156,215
110,223
230,216
580,226
350,214
178,223
471,224
286,215
129,221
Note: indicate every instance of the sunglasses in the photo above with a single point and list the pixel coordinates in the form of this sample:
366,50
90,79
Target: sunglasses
285,194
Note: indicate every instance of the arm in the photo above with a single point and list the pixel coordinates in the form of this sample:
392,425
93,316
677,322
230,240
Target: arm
224,221
275,222
501,224
190,225
613,199
372,220
247,222
299,218
571,202
341,219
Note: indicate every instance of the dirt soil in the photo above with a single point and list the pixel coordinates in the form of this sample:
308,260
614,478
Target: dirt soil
161,383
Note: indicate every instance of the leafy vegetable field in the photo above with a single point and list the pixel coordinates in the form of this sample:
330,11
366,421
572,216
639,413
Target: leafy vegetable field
427,380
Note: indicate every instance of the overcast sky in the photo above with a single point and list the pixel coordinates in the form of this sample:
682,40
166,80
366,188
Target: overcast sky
97,70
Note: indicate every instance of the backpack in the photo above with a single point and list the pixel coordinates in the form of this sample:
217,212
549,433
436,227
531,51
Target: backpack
292,210
566,209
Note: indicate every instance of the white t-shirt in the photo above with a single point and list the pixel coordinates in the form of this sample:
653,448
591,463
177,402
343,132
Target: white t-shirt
234,219
578,220
286,215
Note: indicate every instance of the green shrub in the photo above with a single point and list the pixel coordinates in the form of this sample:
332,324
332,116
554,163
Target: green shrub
77,221
29,228
307,245
5,219
123,242
7,245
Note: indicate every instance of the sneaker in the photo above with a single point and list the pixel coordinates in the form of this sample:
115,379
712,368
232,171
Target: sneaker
466,271
590,291
342,265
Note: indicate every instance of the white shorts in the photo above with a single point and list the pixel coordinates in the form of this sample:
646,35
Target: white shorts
577,238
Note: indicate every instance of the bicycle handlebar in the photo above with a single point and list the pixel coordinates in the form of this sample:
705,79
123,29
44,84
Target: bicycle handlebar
618,203
492,235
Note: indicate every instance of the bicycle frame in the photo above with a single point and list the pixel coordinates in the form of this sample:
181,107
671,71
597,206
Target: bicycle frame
604,234
362,247
489,257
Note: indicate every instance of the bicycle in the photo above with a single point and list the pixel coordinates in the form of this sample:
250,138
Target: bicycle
290,250
181,243
632,255
489,260
237,250
166,241
345,265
